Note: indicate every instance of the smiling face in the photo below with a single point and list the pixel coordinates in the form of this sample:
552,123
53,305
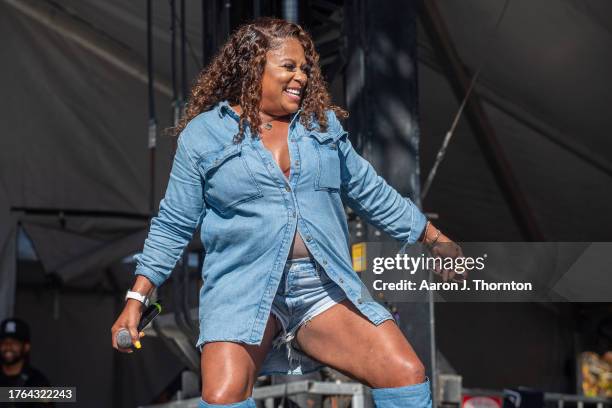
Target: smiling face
12,351
284,79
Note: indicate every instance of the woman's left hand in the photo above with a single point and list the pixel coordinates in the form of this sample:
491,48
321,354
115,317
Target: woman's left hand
440,246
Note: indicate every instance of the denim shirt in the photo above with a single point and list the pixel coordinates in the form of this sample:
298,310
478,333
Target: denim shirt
249,212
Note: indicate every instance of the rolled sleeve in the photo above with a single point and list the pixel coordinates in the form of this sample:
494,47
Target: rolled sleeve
419,221
180,212
156,278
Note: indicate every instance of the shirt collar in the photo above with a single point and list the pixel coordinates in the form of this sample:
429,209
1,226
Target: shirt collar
225,108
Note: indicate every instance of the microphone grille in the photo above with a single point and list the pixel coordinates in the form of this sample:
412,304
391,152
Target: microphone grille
124,340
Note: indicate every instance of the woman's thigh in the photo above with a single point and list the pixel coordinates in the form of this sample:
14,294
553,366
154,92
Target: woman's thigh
229,369
344,339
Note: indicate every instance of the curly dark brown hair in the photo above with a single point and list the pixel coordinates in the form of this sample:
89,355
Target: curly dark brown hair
236,71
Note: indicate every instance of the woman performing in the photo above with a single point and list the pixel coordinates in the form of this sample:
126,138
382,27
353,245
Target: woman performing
264,165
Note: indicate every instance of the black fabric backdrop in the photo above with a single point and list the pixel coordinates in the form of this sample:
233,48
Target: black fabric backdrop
75,137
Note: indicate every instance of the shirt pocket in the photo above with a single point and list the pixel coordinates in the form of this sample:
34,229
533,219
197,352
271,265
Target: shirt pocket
229,181
328,161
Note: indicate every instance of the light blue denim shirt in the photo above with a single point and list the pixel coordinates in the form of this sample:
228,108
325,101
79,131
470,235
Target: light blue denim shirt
249,213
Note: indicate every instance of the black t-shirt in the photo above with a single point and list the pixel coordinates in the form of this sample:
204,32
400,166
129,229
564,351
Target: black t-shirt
29,377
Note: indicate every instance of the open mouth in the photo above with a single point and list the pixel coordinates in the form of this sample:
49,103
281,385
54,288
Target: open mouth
8,356
294,94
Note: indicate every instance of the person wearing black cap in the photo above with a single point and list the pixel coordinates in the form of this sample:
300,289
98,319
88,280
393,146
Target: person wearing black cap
14,352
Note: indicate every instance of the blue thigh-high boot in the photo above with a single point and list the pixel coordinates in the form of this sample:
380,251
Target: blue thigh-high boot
409,396
247,403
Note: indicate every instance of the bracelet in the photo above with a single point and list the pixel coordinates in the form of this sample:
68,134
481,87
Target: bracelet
137,296
424,240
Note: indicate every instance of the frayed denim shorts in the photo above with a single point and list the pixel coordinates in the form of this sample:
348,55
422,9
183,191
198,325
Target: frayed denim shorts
304,291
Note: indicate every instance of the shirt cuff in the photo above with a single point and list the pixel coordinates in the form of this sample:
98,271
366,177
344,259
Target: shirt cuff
156,278
418,224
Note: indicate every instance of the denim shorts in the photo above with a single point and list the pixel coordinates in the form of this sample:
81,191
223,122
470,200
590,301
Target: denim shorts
304,292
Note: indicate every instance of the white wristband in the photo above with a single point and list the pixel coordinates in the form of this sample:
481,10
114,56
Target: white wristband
137,296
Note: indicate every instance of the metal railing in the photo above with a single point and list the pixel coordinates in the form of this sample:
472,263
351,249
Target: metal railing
360,394
552,399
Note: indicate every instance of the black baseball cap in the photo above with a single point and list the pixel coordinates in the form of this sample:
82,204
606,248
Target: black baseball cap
16,329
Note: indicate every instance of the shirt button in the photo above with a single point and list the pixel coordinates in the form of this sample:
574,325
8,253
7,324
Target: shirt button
308,238
360,300
341,280
292,213
325,262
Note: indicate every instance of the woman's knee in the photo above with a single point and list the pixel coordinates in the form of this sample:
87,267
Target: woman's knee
227,385
402,372
225,393
228,372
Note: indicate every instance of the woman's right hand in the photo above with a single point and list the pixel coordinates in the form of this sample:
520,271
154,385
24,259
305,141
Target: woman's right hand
128,319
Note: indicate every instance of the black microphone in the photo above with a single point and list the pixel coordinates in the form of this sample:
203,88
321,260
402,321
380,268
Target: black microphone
124,339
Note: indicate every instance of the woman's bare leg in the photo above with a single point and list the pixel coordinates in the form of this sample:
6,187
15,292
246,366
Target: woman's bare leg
229,370
379,356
